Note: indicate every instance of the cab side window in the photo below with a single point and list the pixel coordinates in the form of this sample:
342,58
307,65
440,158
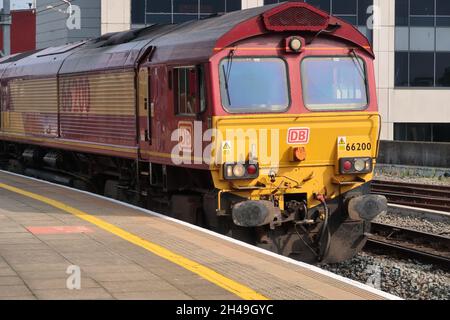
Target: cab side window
189,90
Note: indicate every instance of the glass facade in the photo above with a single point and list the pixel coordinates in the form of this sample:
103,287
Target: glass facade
145,12
430,132
422,43
356,12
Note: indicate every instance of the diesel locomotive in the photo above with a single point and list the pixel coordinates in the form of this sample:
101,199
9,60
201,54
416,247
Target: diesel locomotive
261,124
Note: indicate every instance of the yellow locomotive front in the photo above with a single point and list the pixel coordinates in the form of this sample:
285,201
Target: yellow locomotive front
297,132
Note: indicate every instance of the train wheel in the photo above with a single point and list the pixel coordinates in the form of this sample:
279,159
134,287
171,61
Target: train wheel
16,166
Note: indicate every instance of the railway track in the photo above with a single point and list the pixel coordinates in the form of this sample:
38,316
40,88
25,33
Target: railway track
410,243
412,194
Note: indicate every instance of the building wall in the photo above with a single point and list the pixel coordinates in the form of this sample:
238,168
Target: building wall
402,105
52,27
246,4
23,31
116,15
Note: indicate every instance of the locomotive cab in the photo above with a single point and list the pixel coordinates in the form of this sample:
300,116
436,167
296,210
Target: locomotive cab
297,137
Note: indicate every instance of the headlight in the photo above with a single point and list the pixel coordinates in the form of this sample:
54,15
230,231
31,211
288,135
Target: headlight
360,165
239,170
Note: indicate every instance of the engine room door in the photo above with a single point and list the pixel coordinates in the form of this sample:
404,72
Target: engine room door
144,115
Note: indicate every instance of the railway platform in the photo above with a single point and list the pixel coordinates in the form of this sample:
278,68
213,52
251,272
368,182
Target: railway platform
60,243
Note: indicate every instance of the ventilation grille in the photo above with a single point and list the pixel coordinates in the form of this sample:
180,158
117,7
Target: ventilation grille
296,18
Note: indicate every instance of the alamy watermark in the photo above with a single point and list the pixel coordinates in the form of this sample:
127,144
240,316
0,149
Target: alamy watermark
374,279
73,282
216,147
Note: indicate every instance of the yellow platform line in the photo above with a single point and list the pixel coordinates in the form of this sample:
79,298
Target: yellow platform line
228,284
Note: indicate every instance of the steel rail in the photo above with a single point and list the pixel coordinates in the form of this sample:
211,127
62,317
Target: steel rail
412,194
404,242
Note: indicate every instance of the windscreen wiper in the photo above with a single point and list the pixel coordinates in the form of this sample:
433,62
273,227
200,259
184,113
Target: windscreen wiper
226,74
357,62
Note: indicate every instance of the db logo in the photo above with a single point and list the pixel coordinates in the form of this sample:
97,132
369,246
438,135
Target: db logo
298,135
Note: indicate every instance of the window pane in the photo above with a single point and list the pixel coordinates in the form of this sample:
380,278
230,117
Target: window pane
344,7
181,90
159,18
443,21
443,39
424,21
233,5
443,7
137,12
421,39
321,4
254,85
441,132
367,32
422,7
421,69
418,132
401,13
180,18
365,10
443,69
212,6
334,83
349,19
185,6
401,38
158,6
266,2
400,132
401,69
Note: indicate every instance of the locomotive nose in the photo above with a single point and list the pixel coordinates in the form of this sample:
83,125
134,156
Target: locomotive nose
367,207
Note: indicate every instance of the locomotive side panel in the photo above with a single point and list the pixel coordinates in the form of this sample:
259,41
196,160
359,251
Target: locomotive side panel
31,108
99,108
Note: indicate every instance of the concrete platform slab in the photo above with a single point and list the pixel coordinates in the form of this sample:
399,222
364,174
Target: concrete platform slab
130,253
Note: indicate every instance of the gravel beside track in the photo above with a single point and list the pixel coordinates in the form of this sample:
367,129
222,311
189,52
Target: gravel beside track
407,279
415,223
438,181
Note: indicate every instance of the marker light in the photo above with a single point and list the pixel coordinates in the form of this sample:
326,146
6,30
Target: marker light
347,166
355,165
240,171
252,169
299,154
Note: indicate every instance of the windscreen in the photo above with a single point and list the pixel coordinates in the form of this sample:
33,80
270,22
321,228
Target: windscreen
334,83
253,85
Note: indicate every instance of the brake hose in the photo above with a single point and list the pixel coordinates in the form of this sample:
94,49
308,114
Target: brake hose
325,229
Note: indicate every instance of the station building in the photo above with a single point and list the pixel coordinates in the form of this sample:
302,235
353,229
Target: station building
411,39
23,30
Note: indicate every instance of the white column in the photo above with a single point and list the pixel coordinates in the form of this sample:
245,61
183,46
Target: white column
116,15
246,4
384,47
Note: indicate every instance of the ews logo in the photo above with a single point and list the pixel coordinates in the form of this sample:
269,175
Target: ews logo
75,95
